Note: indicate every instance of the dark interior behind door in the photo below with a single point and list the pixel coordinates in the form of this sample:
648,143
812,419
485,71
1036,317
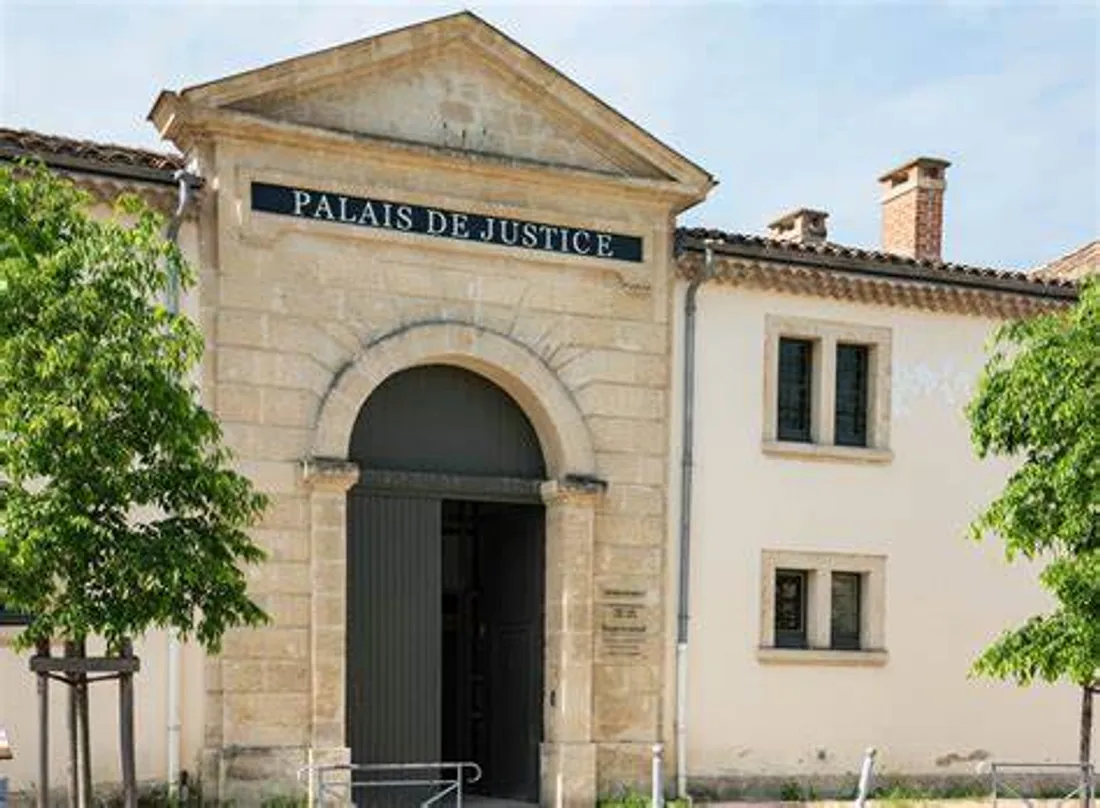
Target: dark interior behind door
511,561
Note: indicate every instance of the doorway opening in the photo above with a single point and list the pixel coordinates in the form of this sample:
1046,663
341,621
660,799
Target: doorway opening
492,643
445,564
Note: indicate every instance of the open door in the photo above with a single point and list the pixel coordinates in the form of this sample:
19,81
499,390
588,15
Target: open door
394,627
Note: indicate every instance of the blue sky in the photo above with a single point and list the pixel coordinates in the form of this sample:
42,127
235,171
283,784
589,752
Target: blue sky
788,103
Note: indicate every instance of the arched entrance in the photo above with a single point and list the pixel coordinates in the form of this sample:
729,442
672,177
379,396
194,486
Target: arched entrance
445,573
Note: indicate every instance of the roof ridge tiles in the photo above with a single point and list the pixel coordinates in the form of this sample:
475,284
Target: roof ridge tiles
835,250
30,142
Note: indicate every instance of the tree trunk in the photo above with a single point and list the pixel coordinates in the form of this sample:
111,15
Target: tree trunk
74,731
126,729
42,648
85,732
1085,758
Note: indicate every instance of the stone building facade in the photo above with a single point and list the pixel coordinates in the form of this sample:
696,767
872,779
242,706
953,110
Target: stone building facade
438,196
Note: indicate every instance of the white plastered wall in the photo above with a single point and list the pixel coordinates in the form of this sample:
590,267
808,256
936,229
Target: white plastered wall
946,597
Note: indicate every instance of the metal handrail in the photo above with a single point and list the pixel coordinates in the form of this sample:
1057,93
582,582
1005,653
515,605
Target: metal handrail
320,786
1085,787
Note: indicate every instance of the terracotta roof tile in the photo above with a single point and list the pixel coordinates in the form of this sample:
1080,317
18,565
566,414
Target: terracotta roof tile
840,257
1075,265
64,152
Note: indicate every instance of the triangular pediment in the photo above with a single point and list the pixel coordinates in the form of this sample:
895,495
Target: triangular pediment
453,99
454,83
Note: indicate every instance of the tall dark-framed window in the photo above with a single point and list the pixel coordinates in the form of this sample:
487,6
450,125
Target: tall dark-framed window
790,608
846,610
853,363
795,394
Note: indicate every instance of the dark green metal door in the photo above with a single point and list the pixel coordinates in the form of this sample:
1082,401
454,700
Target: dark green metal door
393,676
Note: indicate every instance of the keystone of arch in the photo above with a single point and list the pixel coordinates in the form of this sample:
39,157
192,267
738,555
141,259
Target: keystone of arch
515,368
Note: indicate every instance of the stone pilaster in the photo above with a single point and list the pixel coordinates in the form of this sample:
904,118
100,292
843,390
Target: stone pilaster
568,754
327,482
277,694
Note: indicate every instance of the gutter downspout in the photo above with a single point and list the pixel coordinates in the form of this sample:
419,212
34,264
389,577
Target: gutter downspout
172,744
687,433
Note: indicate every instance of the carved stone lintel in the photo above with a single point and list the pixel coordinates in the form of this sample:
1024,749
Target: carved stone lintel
573,490
329,474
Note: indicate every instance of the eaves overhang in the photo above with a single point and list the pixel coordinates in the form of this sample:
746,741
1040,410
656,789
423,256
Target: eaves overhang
866,264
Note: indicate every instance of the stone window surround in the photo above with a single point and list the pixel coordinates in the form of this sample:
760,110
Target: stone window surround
825,335
819,565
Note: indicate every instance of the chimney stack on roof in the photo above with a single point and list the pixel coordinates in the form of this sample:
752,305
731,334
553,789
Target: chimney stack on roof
912,209
802,226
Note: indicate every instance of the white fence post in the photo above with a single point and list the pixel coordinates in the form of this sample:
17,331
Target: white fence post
865,774
658,785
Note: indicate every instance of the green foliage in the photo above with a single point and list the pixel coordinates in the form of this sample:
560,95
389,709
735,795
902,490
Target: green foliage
121,512
157,796
790,791
1038,402
285,802
627,798
907,790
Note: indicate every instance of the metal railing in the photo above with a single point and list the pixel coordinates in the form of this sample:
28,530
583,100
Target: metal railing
1003,787
340,781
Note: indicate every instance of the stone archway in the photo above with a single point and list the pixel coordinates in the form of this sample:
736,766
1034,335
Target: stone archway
568,756
510,365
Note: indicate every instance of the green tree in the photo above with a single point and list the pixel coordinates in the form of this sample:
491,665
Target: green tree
1038,401
121,512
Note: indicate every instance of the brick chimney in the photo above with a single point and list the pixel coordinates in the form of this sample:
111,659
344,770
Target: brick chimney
803,226
912,208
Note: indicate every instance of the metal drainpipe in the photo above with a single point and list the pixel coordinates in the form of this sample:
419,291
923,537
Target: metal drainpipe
173,663
687,465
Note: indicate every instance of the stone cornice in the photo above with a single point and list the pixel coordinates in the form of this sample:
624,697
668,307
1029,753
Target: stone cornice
185,123
573,491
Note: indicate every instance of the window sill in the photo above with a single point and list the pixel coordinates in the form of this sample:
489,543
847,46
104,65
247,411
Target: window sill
821,656
820,451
